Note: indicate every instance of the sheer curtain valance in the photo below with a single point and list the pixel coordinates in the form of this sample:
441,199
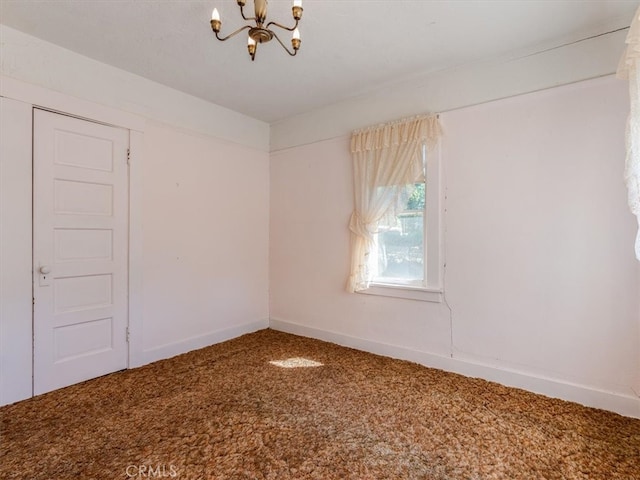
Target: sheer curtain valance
386,158
629,69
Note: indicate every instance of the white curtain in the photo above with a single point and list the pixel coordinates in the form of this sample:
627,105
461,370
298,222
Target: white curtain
629,69
386,158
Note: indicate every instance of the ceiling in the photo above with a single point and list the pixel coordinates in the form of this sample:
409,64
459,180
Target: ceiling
349,47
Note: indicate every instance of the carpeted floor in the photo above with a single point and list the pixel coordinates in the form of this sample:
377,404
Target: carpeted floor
226,412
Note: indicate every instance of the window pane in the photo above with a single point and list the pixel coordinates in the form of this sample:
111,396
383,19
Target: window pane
399,256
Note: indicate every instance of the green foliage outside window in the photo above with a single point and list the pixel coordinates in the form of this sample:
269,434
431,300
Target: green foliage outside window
416,200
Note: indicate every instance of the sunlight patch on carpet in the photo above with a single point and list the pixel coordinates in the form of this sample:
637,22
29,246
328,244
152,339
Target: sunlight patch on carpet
296,362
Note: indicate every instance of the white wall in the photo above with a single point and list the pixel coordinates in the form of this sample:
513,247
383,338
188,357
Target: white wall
540,274
541,270
199,206
15,251
205,240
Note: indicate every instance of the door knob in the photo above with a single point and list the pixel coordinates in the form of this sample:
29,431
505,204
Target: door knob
44,269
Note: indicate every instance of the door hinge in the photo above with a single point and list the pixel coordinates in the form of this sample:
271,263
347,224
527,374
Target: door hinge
128,156
128,334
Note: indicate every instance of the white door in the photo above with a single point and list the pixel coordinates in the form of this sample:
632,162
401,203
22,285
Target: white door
80,246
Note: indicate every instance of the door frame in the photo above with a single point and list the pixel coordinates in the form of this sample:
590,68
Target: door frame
16,320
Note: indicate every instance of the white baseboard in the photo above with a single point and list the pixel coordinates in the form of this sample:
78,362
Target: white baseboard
200,341
624,404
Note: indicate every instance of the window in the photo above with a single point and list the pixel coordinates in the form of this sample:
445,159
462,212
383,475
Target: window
395,224
405,261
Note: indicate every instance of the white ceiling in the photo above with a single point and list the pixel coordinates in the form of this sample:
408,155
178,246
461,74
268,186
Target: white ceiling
349,47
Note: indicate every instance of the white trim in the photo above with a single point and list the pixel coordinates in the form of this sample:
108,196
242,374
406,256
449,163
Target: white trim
433,218
136,252
403,291
201,341
624,404
531,69
33,60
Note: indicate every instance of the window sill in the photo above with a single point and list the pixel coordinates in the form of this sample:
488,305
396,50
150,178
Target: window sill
406,292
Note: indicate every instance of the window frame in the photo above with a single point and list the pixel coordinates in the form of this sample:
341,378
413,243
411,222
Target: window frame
432,288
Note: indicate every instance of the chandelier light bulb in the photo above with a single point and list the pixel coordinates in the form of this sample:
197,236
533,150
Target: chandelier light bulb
258,29
295,40
251,46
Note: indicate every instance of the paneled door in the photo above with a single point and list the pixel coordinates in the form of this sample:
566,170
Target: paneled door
80,246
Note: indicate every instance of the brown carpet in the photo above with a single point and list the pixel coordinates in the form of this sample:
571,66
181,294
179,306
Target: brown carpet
225,412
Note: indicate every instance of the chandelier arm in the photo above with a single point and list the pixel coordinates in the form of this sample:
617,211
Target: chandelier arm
242,13
232,34
283,27
283,45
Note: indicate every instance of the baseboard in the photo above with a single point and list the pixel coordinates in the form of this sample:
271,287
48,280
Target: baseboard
200,341
628,405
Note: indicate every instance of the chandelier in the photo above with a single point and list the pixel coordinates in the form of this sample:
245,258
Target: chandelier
261,33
